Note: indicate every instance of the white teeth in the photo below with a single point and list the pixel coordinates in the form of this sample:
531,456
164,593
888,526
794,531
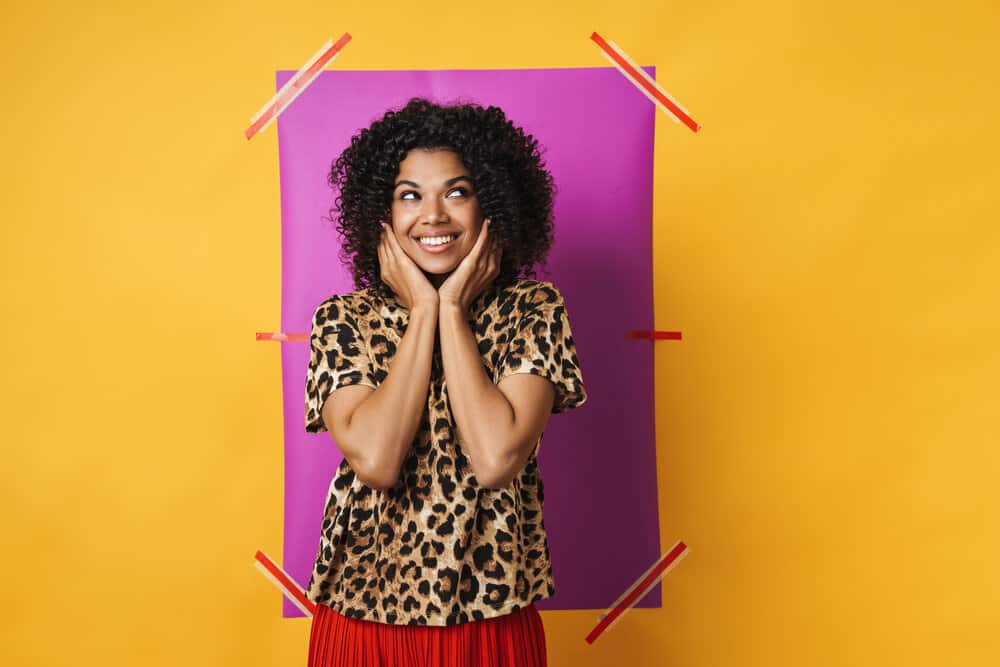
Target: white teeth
437,240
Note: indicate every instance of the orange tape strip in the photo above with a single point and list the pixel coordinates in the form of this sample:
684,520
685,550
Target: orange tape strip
294,86
644,82
282,337
280,578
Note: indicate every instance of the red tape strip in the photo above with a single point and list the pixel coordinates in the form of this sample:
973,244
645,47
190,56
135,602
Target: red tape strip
640,589
295,85
655,334
287,585
304,337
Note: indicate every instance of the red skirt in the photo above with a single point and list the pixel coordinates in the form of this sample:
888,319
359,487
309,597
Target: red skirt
513,640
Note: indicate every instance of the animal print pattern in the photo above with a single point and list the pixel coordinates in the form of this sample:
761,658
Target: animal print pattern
436,548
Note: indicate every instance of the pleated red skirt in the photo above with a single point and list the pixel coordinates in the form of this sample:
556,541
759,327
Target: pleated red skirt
513,640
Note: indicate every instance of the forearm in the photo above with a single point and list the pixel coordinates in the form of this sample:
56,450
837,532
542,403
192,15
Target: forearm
484,417
384,424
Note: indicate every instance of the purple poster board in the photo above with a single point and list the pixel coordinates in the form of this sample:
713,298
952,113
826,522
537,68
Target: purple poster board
598,462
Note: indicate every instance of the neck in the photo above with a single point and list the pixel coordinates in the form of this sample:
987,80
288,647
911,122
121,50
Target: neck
436,279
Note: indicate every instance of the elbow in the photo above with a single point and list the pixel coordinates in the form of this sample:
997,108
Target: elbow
497,474
376,483
375,474
495,481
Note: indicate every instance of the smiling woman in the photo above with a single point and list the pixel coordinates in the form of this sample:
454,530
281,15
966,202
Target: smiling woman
433,548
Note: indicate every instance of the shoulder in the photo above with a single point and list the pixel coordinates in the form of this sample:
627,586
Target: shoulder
534,294
345,306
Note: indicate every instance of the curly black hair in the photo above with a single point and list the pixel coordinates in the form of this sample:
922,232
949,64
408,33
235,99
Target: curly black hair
514,188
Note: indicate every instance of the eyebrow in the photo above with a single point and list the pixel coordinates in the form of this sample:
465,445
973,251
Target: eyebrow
450,181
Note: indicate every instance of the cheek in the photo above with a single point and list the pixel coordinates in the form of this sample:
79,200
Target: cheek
399,224
401,214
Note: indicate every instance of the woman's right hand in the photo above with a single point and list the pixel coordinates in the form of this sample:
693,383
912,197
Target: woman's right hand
403,275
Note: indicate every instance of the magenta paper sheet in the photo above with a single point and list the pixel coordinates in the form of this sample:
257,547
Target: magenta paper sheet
598,462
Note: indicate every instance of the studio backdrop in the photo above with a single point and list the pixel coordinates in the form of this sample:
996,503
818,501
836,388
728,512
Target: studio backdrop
597,462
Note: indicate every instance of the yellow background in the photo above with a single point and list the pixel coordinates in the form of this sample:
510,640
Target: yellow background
827,429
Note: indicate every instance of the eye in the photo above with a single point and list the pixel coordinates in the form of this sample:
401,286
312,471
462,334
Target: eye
407,192
464,191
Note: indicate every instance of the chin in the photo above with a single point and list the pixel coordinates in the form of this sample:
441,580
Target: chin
438,271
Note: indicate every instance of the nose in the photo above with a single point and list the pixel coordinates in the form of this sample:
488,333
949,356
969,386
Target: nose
432,210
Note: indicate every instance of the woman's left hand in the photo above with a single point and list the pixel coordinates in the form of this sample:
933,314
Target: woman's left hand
475,272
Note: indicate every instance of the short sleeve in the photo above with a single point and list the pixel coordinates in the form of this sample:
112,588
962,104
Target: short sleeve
338,356
542,344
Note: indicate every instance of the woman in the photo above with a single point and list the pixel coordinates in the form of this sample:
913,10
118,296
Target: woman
436,378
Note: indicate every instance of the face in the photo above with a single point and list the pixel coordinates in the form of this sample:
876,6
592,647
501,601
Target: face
434,197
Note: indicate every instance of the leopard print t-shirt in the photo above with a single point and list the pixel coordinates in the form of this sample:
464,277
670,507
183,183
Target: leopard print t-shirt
436,548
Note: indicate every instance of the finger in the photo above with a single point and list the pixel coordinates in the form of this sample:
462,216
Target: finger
490,251
383,251
397,250
483,237
494,264
392,246
481,247
493,248
384,272
390,237
389,261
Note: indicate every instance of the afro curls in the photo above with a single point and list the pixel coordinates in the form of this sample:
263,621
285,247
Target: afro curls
514,188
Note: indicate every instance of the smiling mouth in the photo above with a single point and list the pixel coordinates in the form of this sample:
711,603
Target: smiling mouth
437,243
